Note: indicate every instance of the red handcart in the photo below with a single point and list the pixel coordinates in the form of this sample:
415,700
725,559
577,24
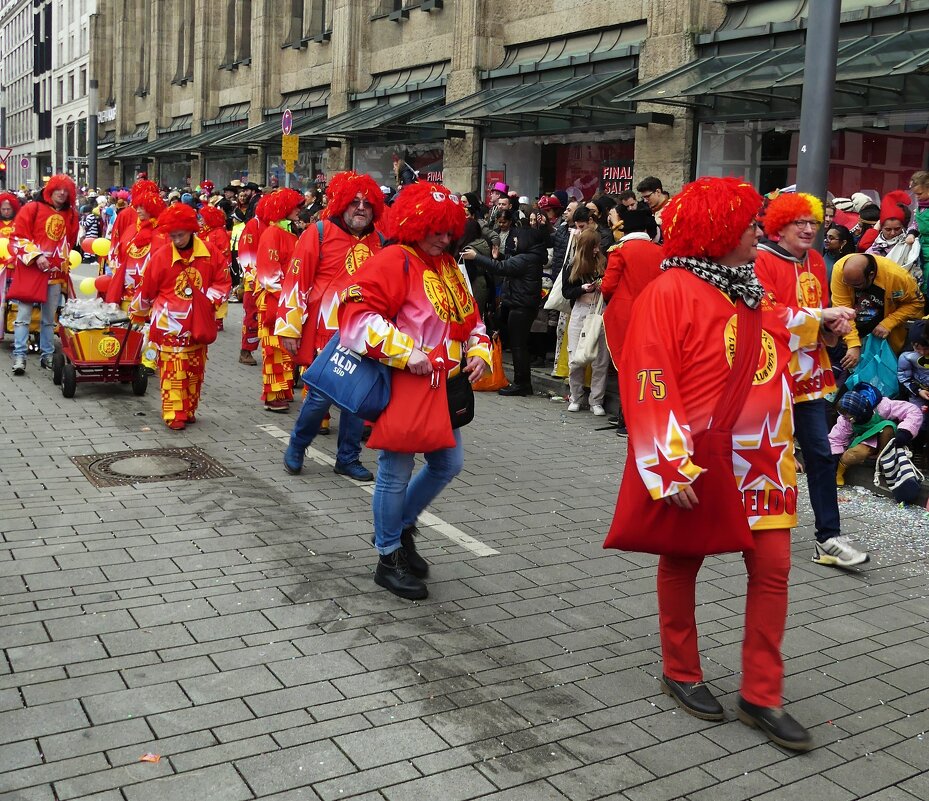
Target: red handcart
110,355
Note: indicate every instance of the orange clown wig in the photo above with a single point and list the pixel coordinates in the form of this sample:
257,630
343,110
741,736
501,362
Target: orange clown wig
790,206
707,218
344,188
179,217
424,208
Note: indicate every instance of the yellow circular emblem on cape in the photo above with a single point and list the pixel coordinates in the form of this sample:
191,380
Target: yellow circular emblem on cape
438,295
357,255
108,347
182,284
767,358
136,252
55,227
809,290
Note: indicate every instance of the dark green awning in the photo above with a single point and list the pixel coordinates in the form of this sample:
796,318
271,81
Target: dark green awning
206,139
269,131
381,117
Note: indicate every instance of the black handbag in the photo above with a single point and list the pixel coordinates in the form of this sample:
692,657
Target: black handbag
460,398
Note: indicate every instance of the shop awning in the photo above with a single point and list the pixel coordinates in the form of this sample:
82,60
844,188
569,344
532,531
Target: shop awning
193,143
863,58
146,148
572,99
382,117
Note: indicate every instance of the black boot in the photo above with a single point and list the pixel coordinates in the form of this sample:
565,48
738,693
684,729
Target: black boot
393,573
515,389
419,567
780,727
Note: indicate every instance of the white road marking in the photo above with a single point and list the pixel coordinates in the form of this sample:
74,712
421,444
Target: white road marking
426,519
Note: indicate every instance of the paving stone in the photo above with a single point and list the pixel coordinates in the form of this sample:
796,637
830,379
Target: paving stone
135,703
291,768
68,652
21,780
375,779
159,672
81,626
390,743
195,718
218,783
526,766
37,721
150,639
221,754
474,723
229,684
23,754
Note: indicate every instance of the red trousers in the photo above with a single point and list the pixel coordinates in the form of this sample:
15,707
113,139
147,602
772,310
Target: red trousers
249,322
768,566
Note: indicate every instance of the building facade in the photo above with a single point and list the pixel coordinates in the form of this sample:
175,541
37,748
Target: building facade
70,87
543,95
26,47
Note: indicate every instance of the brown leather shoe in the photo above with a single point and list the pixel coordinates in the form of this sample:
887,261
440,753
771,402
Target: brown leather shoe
245,357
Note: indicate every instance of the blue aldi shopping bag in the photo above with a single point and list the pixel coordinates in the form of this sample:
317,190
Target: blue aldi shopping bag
877,367
351,381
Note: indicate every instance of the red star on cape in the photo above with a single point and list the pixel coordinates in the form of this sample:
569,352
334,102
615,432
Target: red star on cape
376,351
761,458
668,470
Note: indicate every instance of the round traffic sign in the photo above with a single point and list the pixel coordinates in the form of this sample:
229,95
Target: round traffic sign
24,163
287,122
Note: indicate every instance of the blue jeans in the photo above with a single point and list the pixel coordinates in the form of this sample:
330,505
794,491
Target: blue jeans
398,501
312,412
813,435
47,329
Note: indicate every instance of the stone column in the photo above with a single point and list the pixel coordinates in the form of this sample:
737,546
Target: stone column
266,58
348,20
663,151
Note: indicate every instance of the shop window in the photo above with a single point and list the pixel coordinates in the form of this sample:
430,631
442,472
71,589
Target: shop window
310,21
184,72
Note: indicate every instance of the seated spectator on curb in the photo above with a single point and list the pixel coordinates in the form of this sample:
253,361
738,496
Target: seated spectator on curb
867,422
913,372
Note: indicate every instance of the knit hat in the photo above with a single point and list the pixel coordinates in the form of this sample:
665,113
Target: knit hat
424,208
187,198
896,206
790,206
562,197
859,404
870,213
707,218
179,217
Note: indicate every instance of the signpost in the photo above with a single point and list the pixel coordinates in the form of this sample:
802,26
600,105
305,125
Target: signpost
290,145
24,163
287,122
5,153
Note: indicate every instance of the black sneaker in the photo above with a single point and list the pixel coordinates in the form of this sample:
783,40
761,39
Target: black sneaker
614,420
694,697
419,567
45,363
779,726
393,574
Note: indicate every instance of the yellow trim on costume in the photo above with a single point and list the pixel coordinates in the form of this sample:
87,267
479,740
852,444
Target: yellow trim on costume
199,249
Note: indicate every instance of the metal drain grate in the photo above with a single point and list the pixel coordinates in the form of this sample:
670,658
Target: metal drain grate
147,466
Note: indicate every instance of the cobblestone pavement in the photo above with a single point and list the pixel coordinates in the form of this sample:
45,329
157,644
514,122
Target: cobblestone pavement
232,626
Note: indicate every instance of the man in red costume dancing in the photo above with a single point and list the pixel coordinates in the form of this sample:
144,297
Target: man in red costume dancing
326,257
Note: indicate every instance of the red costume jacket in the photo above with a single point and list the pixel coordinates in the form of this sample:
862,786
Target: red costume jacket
275,249
309,298
39,229
675,361
161,290
800,285
631,266
248,251
131,253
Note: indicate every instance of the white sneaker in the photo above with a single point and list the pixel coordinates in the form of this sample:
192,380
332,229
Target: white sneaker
837,552
19,365
574,406
599,411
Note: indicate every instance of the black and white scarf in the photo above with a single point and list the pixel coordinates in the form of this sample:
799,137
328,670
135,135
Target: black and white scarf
737,282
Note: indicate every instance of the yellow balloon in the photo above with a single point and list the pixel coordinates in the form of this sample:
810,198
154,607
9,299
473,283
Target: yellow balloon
87,286
101,246
4,248
74,258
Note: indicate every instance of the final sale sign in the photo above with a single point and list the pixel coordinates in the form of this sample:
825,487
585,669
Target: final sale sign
615,177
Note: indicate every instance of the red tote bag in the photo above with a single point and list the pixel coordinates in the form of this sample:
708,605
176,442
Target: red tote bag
416,419
29,284
718,524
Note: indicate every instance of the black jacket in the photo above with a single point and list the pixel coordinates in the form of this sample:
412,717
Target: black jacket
522,275
560,239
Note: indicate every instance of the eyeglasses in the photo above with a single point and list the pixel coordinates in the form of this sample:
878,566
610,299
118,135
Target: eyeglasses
832,238
811,224
360,204
647,195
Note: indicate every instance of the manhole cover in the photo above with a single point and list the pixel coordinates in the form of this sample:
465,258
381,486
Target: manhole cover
146,466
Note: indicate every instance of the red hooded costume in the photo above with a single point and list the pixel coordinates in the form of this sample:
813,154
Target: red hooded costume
41,229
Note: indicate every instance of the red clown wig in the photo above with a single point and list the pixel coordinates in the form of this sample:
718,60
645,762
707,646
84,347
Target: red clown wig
11,199
143,187
278,205
790,206
345,186
424,208
150,202
707,218
59,182
179,217
212,217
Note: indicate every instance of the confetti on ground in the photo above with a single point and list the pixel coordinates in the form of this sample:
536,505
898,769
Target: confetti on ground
156,758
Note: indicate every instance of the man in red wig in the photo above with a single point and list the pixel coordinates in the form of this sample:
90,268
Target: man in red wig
326,257
247,250
412,309
182,324
133,250
793,271
675,371
9,207
127,219
44,233
272,258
